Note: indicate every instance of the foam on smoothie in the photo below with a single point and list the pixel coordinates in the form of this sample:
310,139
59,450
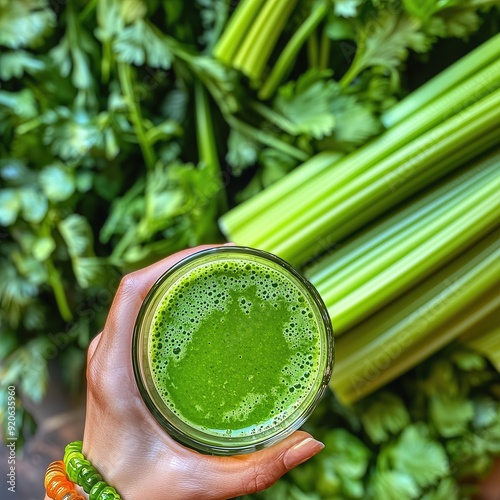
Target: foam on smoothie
234,348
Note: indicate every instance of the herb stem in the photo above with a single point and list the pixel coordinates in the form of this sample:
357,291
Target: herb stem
58,289
206,142
324,57
289,54
313,51
125,77
266,139
237,28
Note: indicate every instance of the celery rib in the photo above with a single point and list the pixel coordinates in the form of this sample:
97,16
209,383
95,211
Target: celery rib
457,230
374,239
297,232
257,46
401,334
363,253
484,308
292,48
236,30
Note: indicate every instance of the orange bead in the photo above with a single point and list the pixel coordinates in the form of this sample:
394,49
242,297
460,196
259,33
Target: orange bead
49,476
58,465
55,470
58,485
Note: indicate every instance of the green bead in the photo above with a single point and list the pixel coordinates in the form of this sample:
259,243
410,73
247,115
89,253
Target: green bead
88,477
95,492
108,493
74,446
73,467
70,455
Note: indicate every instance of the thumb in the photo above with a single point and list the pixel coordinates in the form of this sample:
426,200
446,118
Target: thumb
247,474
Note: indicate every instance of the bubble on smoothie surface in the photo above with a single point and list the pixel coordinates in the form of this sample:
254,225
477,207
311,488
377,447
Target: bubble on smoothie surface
234,345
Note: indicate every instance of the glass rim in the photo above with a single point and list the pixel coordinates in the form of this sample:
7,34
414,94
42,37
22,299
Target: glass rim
205,442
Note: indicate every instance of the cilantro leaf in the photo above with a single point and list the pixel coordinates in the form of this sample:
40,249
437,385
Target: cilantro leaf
315,105
139,44
417,455
446,490
382,415
393,485
306,104
15,63
339,470
77,234
450,414
213,14
384,42
24,22
57,182
242,151
347,8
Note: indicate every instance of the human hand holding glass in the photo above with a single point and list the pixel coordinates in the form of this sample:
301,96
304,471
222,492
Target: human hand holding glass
125,443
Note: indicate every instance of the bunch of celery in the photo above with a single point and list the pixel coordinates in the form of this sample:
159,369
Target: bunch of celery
408,223
398,255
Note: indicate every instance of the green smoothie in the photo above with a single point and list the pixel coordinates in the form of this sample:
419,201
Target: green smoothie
234,348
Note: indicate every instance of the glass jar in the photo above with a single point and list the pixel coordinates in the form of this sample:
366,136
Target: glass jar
232,350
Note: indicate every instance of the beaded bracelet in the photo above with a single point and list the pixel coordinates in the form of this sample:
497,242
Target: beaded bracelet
79,471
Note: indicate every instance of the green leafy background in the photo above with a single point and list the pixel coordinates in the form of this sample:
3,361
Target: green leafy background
123,140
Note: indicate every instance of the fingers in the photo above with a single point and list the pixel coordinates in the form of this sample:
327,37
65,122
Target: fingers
229,477
133,289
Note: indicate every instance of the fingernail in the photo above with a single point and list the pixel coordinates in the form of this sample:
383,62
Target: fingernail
301,452
230,244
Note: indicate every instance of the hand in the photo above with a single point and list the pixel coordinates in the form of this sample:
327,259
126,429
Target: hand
128,447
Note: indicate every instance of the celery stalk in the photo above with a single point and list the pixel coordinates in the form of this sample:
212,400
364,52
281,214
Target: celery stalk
278,192
418,323
386,236
292,48
257,46
416,258
484,309
376,240
236,30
